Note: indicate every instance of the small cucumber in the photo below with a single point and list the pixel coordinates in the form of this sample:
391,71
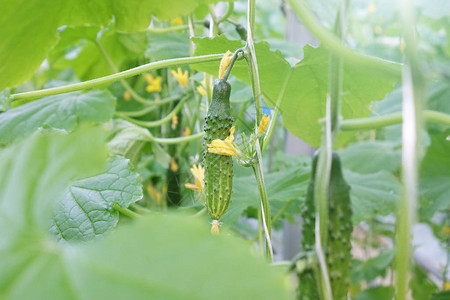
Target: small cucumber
338,244
218,168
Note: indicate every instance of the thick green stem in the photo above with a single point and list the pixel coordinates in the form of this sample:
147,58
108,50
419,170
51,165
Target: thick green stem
116,77
155,104
391,119
334,45
252,62
276,112
413,118
125,211
265,208
160,122
178,140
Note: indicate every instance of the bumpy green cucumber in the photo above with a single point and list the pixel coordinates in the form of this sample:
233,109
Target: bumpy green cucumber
307,288
339,231
338,244
218,168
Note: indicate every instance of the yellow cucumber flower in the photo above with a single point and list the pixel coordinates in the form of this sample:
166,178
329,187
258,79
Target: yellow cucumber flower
154,84
177,21
201,90
224,63
174,120
199,175
372,8
263,125
173,165
181,77
186,132
215,227
224,147
127,96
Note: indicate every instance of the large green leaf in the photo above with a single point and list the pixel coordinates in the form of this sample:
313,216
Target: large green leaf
435,176
28,28
372,194
376,293
77,49
302,87
372,268
86,210
60,111
371,156
35,172
168,45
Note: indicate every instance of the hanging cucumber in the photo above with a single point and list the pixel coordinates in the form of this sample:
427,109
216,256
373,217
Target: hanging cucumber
218,168
338,244
339,231
308,289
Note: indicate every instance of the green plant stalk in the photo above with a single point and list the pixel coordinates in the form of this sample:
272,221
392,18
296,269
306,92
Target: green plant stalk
334,45
179,140
215,20
254,78
321,200
125,211
276,112
413,90
144,111
391,119
89,84
282,211
252,62
228,12
265,208
160,122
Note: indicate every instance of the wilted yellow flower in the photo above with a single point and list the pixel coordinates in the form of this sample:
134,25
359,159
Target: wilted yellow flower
174,120
182,78
177,21
372,8
263,125
186,131
154,84
224,63
127,96
199,175
224,147
378,30
201,90
173,165
215,227
402,46
153,192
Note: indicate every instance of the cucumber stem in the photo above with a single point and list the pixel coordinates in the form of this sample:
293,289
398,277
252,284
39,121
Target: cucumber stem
93,83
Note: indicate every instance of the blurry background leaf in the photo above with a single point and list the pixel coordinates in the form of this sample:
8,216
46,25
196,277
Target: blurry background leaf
376,293
127,139
62,111
435,176
168,45
372,194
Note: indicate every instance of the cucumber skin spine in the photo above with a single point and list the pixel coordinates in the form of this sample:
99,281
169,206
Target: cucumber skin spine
339,231
218,168
340,227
